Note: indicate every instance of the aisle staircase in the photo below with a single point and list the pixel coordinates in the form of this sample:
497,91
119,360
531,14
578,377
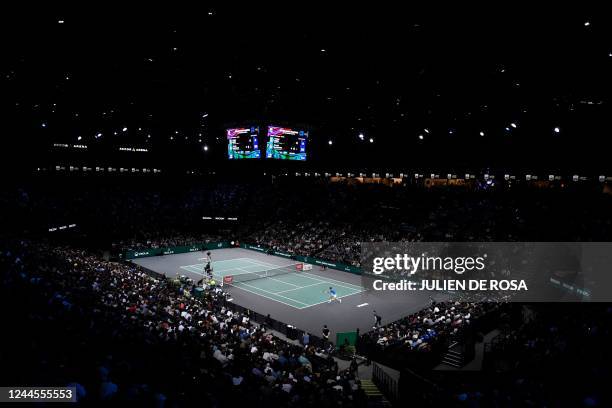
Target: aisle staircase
454,356
375,397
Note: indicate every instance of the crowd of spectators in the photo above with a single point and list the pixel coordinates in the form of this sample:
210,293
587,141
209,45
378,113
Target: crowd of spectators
118,334
376,214
301,238
164,240
326,220
440,321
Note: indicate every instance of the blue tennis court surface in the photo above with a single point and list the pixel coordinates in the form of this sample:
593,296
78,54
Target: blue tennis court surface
296,289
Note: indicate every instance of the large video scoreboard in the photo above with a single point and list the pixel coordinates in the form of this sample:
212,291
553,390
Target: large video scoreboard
243,143
285,143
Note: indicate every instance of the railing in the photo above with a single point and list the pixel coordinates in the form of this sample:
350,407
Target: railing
388,385
408,388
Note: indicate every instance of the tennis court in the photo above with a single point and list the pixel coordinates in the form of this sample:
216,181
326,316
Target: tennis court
284,284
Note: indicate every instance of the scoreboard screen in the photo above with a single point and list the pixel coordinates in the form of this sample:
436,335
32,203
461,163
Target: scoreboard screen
287,144
243,143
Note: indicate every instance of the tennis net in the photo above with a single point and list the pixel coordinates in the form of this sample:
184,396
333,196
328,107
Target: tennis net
268,273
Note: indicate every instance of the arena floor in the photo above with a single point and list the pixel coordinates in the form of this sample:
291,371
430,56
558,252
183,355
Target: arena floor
296,298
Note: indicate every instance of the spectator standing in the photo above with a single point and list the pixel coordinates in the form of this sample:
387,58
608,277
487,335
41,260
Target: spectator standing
377,320
325,332
306,339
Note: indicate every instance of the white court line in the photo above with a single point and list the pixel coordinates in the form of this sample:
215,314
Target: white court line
272,265
224,260
271,293
256,293
193,265
363,304
232,269
320,279
266,277
329,280
267,297
326,301
355,287
249,260
355,291
301,287
201,267
324,279
259,268
187,268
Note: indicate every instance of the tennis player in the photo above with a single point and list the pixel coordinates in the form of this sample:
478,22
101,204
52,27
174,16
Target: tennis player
333,295
208,265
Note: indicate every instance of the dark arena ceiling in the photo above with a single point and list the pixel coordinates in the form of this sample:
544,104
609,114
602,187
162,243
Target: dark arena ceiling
509,89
